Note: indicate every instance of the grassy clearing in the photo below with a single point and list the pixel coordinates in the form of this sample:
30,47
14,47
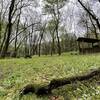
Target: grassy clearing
16,73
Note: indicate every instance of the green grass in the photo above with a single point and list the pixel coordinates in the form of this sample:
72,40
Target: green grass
16,73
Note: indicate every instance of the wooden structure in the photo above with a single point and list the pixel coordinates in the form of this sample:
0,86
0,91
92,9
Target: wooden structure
88,45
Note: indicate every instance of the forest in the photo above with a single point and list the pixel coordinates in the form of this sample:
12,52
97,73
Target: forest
49,49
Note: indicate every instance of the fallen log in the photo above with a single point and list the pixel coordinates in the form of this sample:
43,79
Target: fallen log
59,82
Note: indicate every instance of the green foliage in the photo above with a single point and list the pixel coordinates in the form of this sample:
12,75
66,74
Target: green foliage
51,27
51,5
55,2
17,73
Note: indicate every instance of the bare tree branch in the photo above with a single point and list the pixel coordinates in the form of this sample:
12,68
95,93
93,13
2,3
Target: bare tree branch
90,13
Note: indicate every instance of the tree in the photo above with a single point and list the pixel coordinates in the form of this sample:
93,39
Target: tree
51,29
3,29
13,32
91,13
42,31
9,29
88,23
17,30
53,8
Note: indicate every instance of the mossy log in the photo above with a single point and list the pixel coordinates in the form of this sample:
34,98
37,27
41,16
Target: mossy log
59,82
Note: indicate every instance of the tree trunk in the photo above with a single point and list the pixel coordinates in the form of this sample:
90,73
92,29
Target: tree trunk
53,46
40,44
6,44
58,40
17,30
57,29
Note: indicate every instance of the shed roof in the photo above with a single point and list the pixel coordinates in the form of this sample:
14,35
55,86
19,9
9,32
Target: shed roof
88,40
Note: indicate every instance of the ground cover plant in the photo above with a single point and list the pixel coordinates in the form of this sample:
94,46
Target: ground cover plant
17,73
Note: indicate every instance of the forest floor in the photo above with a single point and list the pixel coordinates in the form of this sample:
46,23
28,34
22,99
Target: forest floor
17,73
